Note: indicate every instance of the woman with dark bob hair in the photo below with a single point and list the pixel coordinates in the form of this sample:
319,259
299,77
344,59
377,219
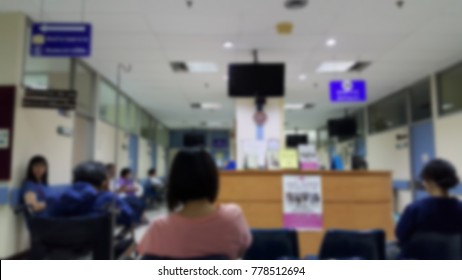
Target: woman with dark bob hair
196,226
439,213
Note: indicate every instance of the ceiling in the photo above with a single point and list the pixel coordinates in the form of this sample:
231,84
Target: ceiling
404,45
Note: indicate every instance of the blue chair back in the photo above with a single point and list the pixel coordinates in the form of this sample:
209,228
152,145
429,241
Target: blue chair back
346,244
211,257
433,246
273,244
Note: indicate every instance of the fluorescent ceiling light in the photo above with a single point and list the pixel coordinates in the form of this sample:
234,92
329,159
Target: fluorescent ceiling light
206,106
228,45
214,124
202,67
302,77
335,66
331,42
295,106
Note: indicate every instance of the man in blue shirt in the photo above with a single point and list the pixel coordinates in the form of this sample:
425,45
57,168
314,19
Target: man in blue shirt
89,195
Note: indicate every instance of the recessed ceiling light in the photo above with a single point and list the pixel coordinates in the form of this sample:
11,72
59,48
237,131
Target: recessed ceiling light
302,77
335,66
331,42
228,45
202,67
206,106
297,106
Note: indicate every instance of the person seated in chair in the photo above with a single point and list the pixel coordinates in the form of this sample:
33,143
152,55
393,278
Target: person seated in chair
131,192
196,226
439,213
35,193
89,195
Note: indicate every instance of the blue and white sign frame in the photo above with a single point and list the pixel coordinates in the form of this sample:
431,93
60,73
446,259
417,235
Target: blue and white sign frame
348,91
54,39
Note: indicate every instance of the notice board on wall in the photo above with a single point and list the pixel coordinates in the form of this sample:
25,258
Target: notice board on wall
7,106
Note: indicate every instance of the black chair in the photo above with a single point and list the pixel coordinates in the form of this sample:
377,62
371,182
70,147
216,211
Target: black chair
273,244
71,238
345,244
210,257
433,246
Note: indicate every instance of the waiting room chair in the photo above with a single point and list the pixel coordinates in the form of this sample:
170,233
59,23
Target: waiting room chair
346,244
71,238
273,244
433,246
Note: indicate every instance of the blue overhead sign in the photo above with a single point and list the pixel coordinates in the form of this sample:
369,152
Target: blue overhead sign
60,39
348,91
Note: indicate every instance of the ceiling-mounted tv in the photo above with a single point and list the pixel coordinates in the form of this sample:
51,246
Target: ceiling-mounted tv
295,140
252,80
342,128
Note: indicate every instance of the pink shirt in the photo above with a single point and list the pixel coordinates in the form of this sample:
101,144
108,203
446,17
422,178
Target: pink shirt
224,232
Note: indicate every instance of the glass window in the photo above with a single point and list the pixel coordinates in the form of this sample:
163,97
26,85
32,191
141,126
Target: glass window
133,111
388,113
123,112
107,102
83,84
360,122
450,90
144,125
421,107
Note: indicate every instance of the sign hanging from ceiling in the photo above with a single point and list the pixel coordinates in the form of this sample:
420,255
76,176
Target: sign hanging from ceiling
61,40
348,91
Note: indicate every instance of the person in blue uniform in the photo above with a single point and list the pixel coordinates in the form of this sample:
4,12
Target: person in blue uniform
90,195
439,213
35,194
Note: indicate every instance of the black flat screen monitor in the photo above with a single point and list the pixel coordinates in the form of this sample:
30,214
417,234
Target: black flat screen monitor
342,128
251,80
295,140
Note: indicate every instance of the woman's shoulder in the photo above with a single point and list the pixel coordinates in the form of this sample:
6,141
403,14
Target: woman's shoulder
230,210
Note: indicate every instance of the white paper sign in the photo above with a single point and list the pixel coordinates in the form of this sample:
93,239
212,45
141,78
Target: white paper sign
302,202
308,157
4,139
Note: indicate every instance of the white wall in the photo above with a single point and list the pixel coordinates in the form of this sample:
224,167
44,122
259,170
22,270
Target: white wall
35,131
246,127
448,138
105,142
383,154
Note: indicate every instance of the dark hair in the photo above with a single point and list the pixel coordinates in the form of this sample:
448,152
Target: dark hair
30,172
125,172
110,166
152,171
193,176
90,172
441,172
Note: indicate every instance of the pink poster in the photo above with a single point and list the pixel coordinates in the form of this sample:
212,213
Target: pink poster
302,202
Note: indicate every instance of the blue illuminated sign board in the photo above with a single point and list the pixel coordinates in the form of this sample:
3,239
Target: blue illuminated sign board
60,39
348,91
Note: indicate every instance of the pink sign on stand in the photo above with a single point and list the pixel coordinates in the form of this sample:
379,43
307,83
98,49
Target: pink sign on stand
308,157
302,202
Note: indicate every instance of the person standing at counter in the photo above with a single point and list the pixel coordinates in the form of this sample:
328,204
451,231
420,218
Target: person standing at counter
196,227
439,213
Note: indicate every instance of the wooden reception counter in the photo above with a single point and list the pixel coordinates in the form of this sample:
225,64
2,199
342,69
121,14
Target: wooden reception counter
351,200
